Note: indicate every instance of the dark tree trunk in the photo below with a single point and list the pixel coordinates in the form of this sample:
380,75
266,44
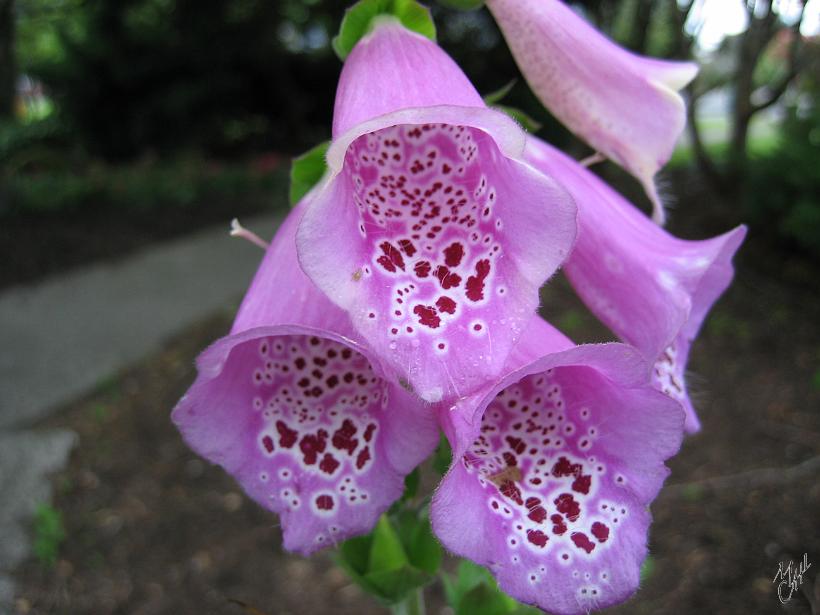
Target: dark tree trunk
8,67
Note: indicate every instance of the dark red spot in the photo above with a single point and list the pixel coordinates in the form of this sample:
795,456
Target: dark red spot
558,525
516,444
511,490
453,254
475,283
328,464
567,505
600,531
427,316
407,247
368,433
422,269
392,258
287,436
446,278
445,304
563,467
312,445
582,483
299,363
324,502
343,437
537,512
537,537
267,442
332,381
509,458
363,457
582,542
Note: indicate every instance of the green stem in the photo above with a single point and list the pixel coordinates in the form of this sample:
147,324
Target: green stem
412,605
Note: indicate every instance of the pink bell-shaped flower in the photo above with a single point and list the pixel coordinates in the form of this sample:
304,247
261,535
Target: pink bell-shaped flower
292,404
429,230
650,288
625,106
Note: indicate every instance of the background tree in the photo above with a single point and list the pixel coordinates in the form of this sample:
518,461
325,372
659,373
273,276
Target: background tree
766,58
8,66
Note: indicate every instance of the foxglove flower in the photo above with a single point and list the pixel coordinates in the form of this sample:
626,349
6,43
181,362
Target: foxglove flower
292,405
429,230
625,106
651,289
553,469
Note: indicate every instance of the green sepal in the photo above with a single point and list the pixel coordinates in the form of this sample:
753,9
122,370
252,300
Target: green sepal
473,591
394,559
393,586
498,95
358,21
524,119
306,171
423,549
462,5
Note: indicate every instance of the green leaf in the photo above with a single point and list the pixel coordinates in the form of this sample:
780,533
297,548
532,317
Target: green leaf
524,119
354,554
359,19
647,568
497,96
485,600
386,552
393,585
462,5
474,591
411,484
422,548
443,456
306,171
469,575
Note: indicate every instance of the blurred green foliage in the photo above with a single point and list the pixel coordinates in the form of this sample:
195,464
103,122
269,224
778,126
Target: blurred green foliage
159,75
782,195
134,80
152,186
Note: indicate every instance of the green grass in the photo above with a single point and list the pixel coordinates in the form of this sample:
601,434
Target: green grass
49,533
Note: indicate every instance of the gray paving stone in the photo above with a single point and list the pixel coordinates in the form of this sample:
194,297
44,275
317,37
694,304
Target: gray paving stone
61,337
27,458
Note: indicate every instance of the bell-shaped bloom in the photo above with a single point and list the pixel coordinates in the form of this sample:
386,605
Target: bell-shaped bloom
429,230
650,288
553,470
625,106
292,405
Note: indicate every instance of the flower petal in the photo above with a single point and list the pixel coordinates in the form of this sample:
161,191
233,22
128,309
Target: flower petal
436,244
551,493
297,414
652,289
625,106
393,68
429,231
